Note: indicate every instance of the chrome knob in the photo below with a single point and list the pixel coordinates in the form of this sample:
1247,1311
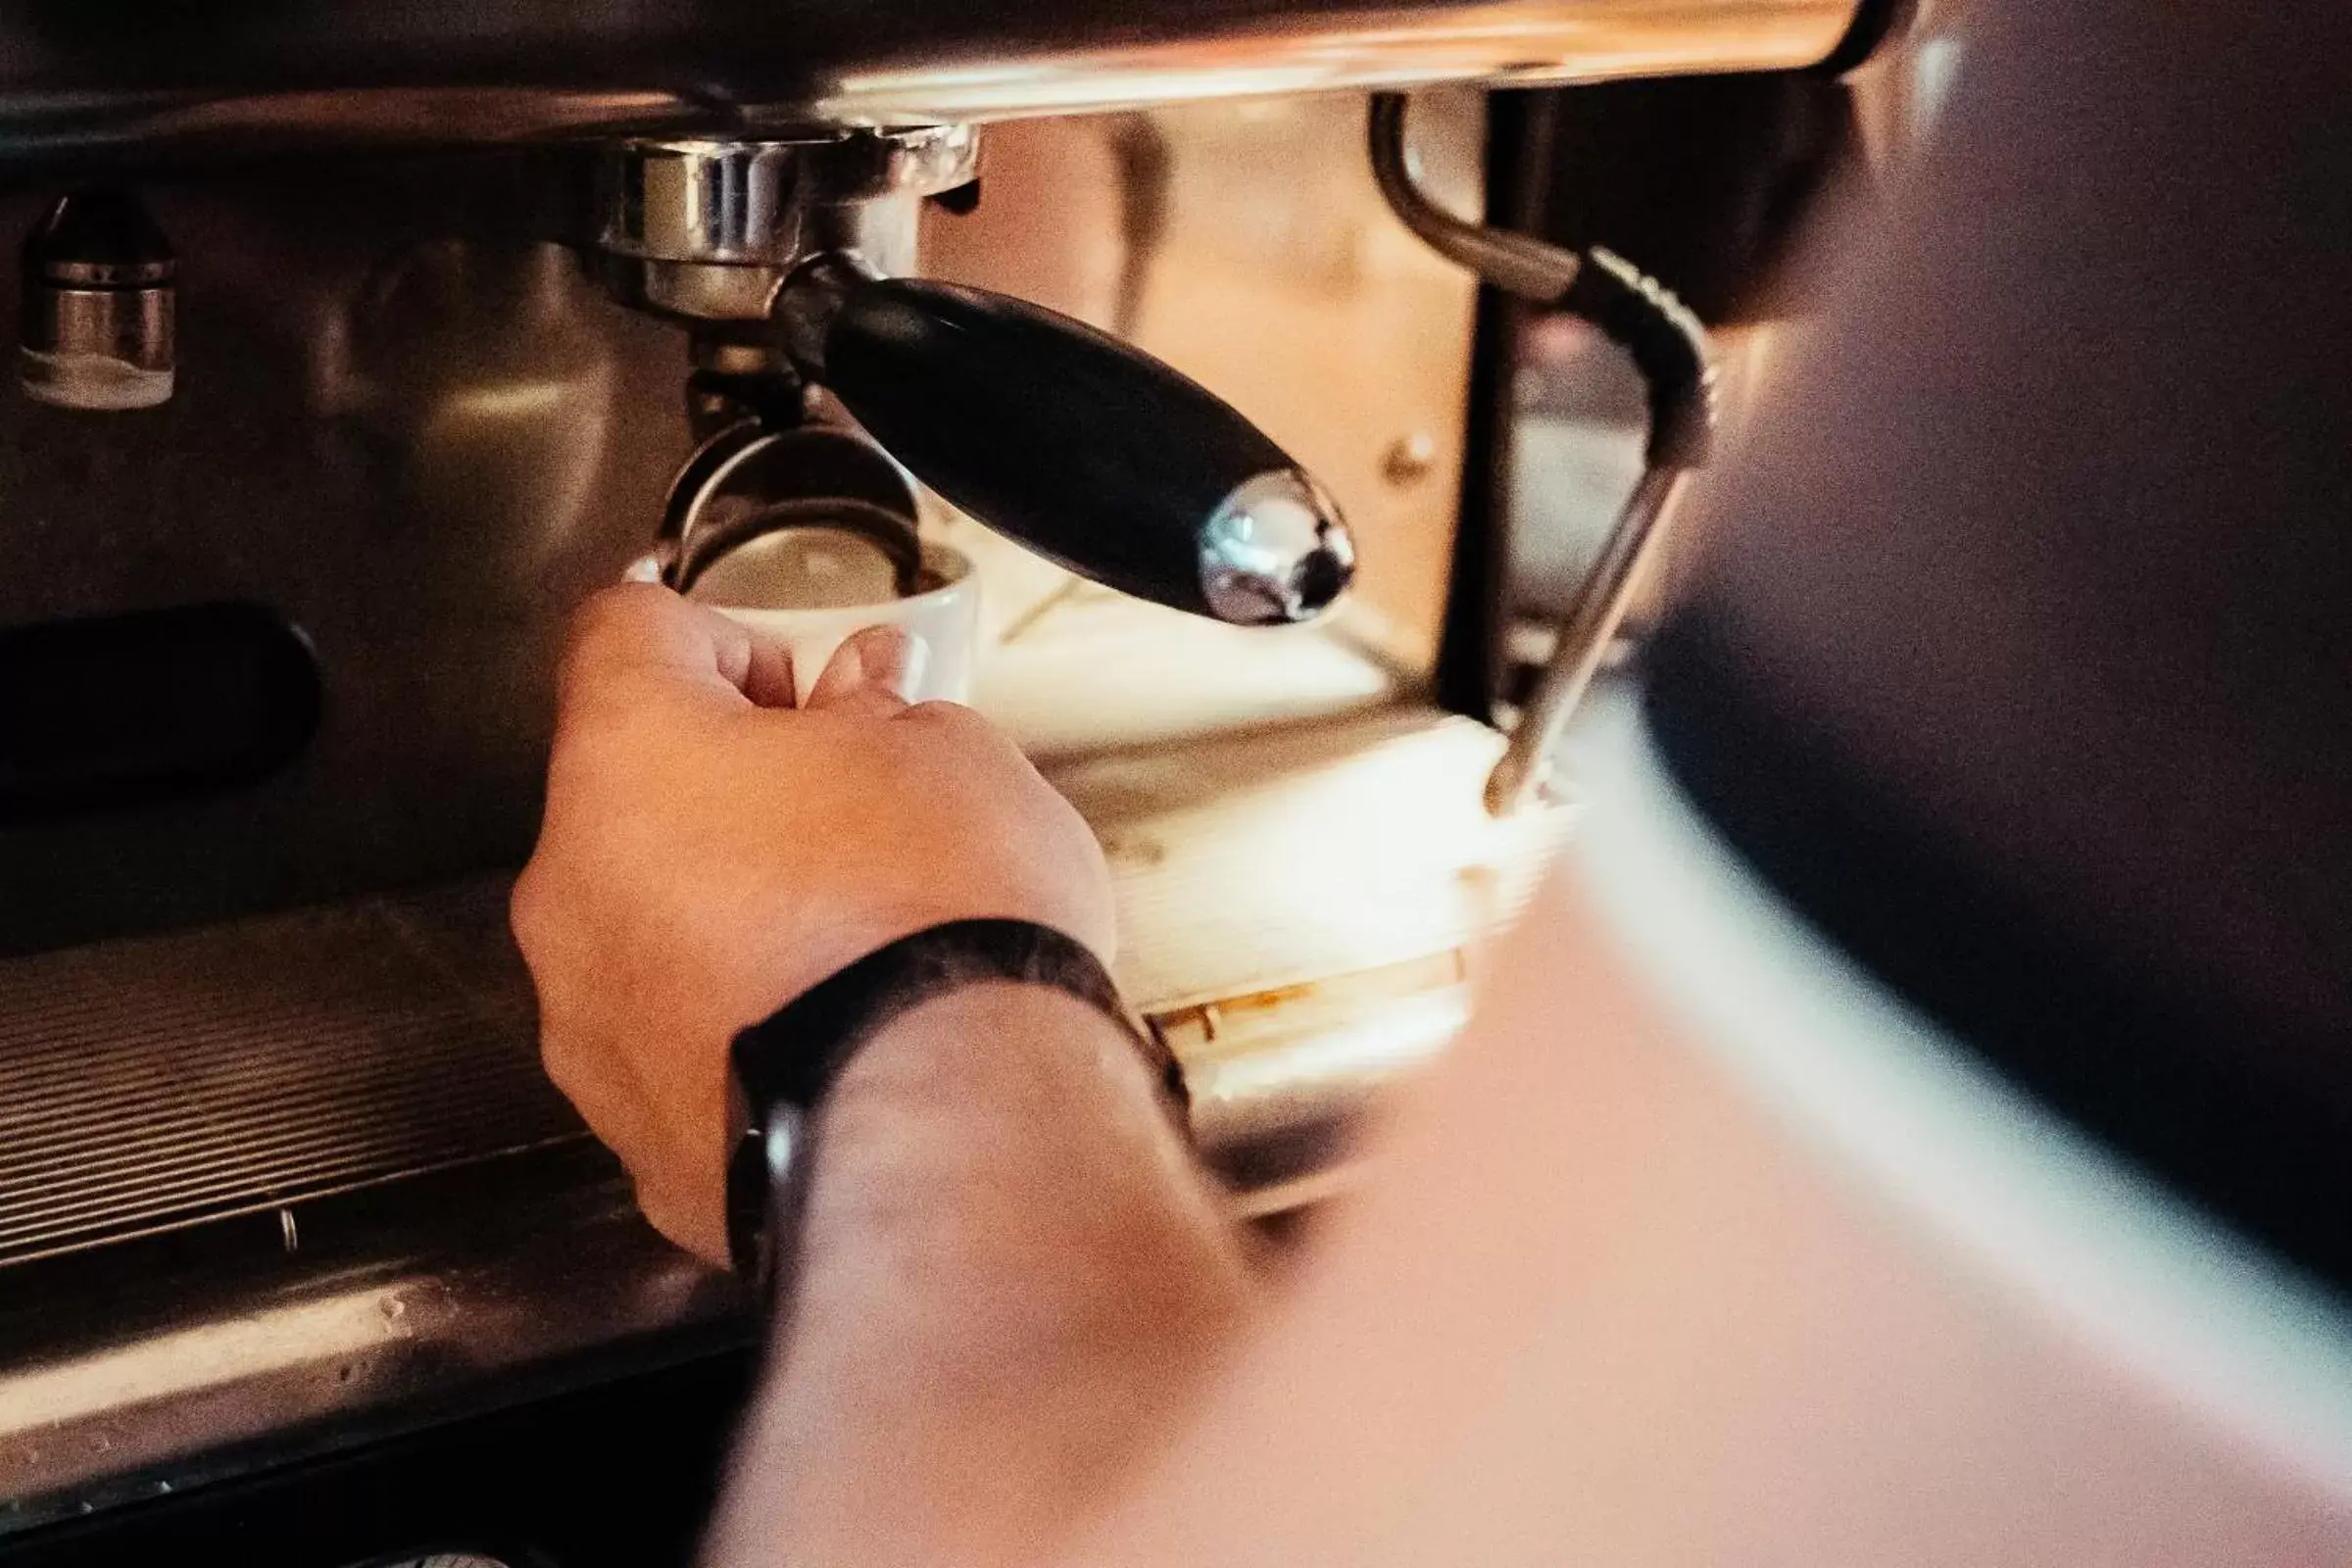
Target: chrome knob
100,306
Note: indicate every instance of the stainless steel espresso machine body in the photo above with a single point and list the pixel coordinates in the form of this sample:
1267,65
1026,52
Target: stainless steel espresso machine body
358,343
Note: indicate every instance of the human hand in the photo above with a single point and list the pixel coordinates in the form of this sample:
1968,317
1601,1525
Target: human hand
709,853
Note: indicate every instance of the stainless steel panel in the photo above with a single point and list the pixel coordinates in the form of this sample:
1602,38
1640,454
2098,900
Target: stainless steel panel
409,427
102,81
199,1374
156,1084
1518,43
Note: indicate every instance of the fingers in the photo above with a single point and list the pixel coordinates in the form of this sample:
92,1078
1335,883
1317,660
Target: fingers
871,673
767,675
640,631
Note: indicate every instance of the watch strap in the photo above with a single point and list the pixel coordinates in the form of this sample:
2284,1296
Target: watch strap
784,1066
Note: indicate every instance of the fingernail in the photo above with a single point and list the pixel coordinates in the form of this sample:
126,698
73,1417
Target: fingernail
888,659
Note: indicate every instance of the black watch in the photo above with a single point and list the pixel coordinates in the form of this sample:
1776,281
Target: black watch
784,1064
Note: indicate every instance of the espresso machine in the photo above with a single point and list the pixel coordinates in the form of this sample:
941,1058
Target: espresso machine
358,343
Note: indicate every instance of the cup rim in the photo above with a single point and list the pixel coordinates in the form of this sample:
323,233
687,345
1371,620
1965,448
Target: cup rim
952,567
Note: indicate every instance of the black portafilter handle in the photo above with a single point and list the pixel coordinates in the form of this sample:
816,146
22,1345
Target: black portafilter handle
1090,453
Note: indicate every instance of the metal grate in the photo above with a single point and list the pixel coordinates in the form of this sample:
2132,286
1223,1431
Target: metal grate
157,1083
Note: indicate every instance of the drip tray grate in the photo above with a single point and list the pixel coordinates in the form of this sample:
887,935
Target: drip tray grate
157,1083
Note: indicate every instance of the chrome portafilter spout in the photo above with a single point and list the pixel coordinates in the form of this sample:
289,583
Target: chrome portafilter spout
1088,450
1667,345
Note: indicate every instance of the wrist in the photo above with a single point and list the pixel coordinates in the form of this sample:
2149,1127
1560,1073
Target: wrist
786,1067
989,1039
1005,1249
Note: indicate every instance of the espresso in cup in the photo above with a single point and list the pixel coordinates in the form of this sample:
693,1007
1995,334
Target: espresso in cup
812,588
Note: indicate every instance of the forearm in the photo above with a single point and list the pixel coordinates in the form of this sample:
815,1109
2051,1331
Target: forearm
1010,1272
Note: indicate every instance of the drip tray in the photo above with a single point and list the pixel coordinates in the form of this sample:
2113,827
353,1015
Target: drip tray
154,1084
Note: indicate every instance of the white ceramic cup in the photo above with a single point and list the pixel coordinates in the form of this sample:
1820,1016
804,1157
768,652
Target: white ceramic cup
942,617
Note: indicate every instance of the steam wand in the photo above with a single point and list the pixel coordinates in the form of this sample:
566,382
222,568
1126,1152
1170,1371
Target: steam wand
1669,347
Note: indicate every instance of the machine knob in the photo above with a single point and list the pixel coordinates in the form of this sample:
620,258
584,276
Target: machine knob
1093,453
100,302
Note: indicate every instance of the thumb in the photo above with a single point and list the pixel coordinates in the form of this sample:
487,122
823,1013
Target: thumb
871,673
